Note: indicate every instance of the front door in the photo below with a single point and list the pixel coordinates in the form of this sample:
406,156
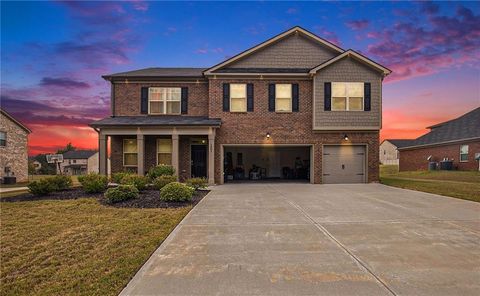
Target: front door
199,161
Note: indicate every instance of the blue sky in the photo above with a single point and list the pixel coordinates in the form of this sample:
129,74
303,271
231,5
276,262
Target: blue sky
53,53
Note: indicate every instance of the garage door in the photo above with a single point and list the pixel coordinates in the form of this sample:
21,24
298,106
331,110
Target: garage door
343,164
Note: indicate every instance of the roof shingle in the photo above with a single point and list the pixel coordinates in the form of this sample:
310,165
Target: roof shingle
161,120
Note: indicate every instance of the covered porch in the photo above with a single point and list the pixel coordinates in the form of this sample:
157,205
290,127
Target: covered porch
185,143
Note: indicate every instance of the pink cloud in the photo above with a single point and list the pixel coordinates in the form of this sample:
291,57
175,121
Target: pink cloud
329,35
358,24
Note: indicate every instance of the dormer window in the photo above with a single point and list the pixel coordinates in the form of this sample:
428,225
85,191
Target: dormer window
164,100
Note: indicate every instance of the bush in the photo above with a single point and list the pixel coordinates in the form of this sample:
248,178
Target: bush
121,193
117,177
41,187
61,182
197,183
93,182
161,181
140,182
161,170
176,192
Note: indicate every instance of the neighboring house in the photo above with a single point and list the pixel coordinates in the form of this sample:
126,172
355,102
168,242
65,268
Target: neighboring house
457,140
37,165
293,107
79,162
13,147
389,153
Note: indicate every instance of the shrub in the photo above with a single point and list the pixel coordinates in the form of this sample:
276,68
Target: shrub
41,187
117,177
61,182
161,170
93,182
197,183
176,192
140,182
161,181
121,193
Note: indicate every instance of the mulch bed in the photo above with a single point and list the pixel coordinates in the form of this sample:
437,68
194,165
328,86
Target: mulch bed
147,198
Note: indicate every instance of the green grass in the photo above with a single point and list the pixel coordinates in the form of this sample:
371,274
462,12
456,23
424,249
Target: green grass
36,178
77,247
459,184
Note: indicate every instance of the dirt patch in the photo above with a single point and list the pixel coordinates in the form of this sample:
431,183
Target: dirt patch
147,198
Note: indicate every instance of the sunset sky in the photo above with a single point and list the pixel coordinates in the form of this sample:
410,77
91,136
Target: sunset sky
53,54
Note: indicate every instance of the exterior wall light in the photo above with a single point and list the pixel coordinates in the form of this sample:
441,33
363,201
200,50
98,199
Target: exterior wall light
268,135
345,137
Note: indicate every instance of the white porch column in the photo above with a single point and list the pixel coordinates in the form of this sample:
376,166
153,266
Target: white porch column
175,154
211,158
140,155
102,153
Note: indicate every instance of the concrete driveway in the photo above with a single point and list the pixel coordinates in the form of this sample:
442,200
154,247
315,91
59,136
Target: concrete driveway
302,239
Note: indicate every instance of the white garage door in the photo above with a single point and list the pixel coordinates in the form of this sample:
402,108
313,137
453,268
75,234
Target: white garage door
343,164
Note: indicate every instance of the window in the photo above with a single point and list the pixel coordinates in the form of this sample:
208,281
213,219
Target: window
164,151
283,98
130,152
164,100
238,98
347,96
464,153
3,139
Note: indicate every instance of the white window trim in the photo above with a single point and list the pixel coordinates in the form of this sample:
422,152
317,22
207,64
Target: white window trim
157,152
245,100
460,157
347,98
123,153
164,100
291,98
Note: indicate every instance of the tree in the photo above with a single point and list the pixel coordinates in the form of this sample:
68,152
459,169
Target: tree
67,148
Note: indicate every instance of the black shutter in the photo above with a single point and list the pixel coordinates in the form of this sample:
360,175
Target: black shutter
250,97
295,101
327,90
144,100
226,97
271,97
184,100
368,96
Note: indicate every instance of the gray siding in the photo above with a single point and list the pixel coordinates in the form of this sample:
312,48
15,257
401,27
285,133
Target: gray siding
294,51
347,70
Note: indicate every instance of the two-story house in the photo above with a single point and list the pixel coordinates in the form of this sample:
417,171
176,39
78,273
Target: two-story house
293,107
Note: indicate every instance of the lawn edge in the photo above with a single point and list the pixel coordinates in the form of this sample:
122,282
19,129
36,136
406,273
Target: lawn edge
142,269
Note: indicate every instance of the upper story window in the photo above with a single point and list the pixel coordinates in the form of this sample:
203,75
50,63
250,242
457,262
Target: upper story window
464,153
3,139
347,96
238,98
164,151
283,98
164,100
130,152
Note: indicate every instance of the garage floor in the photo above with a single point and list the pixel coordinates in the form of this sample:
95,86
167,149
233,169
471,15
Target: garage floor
303,239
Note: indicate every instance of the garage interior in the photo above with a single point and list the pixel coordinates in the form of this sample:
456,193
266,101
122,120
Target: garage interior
266,163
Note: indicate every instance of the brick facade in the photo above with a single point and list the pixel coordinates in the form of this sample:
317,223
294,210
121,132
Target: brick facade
416,159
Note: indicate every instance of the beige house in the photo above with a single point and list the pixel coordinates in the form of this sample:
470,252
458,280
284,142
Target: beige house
389,153
79,162
13,147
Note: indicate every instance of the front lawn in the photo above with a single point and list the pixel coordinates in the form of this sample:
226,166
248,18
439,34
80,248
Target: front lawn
459,184
77,247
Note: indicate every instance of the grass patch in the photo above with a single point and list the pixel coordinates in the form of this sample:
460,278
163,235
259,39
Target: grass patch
77,247
459,184
36,178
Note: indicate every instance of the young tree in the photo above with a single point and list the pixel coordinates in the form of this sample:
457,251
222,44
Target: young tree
67,148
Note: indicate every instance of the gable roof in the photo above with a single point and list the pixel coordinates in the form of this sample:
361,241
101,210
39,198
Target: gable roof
465,127
158,72
24,127
276,38
356,55
78,154
399,143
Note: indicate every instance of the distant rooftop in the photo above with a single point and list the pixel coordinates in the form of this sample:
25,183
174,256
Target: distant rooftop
78,154
399,143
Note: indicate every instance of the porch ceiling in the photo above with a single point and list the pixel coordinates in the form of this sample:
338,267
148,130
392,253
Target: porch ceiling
156,121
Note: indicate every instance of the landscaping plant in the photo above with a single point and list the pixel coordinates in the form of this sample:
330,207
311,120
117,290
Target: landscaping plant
197,183
121,193
117,177
176,191
93,182
140,182
61,182
41,187
161,170
161,181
